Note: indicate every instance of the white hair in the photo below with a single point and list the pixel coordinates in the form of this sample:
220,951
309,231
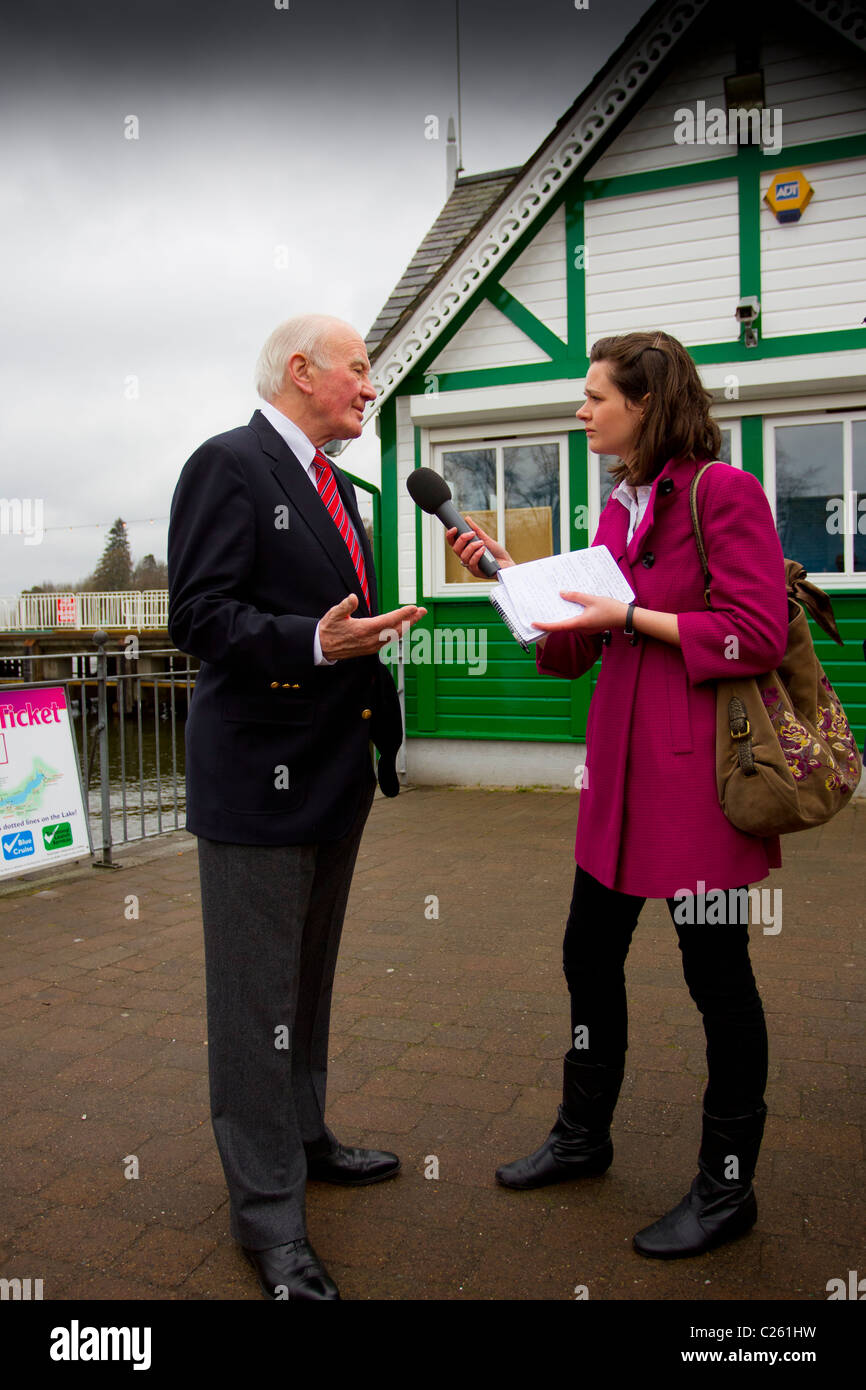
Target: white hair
309,334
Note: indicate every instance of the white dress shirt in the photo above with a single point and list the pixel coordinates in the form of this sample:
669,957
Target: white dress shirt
305,452
635,502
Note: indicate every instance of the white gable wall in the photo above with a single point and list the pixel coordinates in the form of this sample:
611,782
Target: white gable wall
813,272
820,95
648,140
487,339
537,277
667,259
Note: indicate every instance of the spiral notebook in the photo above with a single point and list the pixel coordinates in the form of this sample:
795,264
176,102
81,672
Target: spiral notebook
529,593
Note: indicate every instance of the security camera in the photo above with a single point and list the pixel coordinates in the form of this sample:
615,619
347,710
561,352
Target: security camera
748,310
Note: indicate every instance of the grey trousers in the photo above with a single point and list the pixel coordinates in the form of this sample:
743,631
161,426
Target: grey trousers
272,918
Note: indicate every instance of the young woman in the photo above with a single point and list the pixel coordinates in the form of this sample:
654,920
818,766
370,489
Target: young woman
650,822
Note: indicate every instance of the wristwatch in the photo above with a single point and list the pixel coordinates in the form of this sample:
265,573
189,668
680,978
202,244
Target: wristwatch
628,630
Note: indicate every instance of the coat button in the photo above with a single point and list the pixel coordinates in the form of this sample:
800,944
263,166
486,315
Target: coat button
648,560
605,637
275,685
666,486
366,714
287,685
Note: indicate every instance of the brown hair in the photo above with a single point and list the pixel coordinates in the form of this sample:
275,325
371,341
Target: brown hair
676,422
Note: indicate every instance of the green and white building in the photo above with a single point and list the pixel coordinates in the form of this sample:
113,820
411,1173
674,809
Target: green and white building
645,208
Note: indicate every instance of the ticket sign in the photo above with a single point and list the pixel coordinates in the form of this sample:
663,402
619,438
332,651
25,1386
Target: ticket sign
788,195
42,816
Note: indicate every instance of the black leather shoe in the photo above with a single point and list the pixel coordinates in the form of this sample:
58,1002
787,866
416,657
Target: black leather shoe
293,1273
718,1206
353,1167
579,1145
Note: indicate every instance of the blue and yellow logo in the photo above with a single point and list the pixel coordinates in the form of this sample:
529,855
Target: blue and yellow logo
788,195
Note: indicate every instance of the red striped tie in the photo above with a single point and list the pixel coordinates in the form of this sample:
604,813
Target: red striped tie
327,485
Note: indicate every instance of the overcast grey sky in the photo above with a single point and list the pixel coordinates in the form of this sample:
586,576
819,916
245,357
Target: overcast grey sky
150,265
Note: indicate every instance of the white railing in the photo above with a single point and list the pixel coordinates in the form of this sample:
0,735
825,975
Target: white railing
129,609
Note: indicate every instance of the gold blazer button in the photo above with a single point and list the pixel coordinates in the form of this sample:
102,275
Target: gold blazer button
275,685
366,714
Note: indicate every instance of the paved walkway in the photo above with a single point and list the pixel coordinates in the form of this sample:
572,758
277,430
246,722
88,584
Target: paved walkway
447,1038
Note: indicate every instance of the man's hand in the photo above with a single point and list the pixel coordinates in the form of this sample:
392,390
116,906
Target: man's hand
469,550
343,636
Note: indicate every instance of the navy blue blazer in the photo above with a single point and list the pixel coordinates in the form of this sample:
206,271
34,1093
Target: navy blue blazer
277,748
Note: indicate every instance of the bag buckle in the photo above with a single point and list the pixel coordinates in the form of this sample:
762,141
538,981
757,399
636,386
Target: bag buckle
745,733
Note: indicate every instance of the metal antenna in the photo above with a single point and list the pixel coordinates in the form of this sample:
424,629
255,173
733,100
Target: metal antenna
459,103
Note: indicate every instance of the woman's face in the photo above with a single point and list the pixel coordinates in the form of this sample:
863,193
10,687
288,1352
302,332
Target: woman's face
612,422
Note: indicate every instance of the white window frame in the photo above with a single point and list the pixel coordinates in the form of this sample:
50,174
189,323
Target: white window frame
852,580
435,443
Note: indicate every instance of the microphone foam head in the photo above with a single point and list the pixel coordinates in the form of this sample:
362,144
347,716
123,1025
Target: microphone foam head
427,489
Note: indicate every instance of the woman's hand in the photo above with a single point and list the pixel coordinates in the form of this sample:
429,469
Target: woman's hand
598,615
469,550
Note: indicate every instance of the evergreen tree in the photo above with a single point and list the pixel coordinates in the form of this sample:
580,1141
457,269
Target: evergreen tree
114,570
150,573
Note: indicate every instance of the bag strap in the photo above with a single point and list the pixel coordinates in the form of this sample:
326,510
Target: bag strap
696,527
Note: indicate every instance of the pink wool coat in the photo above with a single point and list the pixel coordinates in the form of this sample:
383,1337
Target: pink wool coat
650,822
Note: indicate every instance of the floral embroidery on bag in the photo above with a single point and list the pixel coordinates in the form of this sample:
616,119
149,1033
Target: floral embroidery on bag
803,753
836,729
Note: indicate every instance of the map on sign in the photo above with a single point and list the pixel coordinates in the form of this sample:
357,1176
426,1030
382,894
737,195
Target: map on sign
43,819
28,796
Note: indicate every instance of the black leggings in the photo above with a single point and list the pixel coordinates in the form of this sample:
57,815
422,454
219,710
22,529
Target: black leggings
717,971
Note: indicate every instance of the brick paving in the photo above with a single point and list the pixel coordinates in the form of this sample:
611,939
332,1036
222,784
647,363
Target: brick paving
446,1044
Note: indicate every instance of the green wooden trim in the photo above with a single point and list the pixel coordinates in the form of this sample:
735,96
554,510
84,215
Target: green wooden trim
526,321
653,180
816,152
792,345
749,216
727,167
578,487
419,539
752,441
388,575
498,376
425,676
575,274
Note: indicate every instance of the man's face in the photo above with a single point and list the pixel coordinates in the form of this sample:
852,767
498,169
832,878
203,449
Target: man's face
341,390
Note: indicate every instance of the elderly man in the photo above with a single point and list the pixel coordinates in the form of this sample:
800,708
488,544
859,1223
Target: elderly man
271,584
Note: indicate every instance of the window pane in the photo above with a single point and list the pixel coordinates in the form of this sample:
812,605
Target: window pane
531,474
725,451
858,483
471,476
808,477
606,482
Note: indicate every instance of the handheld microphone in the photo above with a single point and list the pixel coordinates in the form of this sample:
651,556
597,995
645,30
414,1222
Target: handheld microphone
432,494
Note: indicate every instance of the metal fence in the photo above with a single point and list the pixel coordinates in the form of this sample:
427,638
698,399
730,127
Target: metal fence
129,738
131,609
129,729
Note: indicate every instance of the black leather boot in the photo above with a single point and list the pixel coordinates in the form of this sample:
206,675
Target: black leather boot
579,1145
720,1205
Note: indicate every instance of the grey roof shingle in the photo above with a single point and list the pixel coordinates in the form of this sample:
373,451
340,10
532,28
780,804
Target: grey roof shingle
471,200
